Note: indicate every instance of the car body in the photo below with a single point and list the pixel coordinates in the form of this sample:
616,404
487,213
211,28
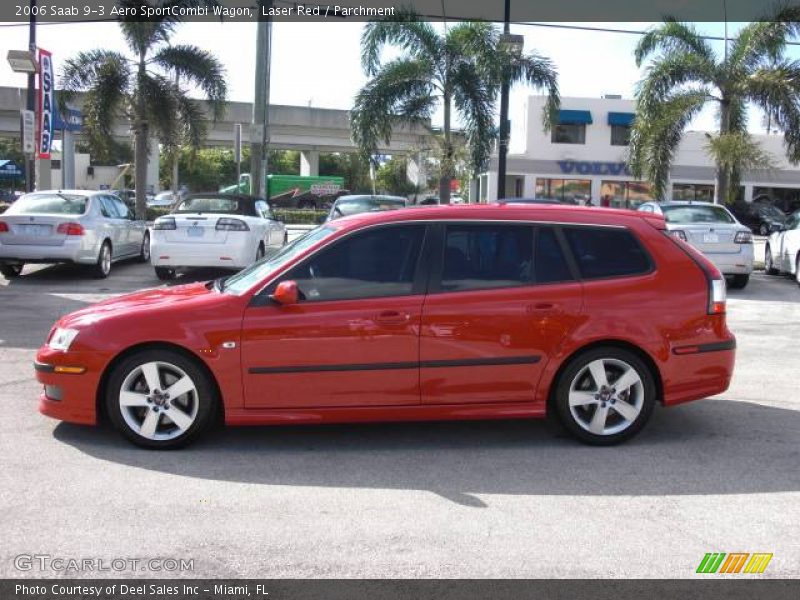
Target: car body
539,200
70,226
760,217
162,200
471,312
360,203
228,231
714,231
782,250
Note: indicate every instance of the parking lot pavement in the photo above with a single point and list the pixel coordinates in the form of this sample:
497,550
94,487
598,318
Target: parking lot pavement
493,499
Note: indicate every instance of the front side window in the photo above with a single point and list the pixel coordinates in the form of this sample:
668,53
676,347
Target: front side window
569,133
487,256
606,252
371,264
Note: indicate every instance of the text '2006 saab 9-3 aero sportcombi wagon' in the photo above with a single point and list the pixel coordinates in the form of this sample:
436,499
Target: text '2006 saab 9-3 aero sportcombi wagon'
451,312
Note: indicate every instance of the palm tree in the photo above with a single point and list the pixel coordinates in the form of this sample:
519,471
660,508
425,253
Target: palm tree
685,75
145,90
462,69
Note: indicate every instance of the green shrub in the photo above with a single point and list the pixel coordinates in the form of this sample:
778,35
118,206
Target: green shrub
3,208
159,211
300,216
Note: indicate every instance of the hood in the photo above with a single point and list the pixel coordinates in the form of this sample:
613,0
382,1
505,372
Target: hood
179,297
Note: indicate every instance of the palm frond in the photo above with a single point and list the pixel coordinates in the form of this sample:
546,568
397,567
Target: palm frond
673,36
475,101
776,90
670,72
738,150
405,30
198,67
539,72
143,36
159,96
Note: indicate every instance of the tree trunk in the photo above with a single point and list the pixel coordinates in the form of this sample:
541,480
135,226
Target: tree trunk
723,174
447,155
140,140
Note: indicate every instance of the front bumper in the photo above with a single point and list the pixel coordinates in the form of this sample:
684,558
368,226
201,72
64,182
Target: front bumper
74,251
69,396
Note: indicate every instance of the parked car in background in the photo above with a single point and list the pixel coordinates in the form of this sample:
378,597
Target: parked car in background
474,312
355,204
228,231
129,197
782,250
162,200
70,226
714,231
539,200
760,217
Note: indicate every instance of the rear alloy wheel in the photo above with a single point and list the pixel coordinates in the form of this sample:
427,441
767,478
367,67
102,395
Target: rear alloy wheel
144,252
769,266
160,399
165,273
102,267
739,282
605,396
11,271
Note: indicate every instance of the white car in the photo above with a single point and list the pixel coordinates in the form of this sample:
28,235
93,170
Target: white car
161,200
714,231
782,252
226,231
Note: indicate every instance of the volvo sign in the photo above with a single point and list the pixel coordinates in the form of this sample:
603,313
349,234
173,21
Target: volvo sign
583,167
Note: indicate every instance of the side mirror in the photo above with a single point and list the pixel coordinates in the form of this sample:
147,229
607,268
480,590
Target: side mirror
286,293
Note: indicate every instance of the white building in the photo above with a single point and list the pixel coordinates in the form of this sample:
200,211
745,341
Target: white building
584,158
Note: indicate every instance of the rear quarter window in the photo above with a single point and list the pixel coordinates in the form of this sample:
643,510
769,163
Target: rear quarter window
603,252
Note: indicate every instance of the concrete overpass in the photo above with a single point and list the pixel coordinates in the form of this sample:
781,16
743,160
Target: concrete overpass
307,129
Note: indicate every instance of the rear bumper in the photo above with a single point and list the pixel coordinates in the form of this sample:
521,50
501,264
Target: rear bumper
737,263
695,371
233,255
72,251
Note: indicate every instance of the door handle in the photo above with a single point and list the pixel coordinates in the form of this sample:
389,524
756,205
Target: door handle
540,307
392,317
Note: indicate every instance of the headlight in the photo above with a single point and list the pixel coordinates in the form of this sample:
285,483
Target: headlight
62,338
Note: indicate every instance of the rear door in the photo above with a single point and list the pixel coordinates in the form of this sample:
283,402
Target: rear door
134,230
500,302
113,225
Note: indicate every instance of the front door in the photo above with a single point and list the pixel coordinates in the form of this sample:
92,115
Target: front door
353,339
504,301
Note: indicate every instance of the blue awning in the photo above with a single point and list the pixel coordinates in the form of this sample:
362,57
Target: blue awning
621,118
574,117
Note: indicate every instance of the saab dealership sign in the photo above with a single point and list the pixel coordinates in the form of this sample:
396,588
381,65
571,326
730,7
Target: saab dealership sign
584,167
45,103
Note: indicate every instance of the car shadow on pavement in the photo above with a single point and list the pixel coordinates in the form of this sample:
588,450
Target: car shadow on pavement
710,447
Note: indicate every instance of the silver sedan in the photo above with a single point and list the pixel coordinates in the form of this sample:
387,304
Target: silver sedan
714,231
70,226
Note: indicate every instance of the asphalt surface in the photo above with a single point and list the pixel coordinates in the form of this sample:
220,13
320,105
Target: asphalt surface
484,499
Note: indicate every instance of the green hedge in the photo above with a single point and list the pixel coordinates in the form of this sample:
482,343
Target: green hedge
300,216
154,213
3,208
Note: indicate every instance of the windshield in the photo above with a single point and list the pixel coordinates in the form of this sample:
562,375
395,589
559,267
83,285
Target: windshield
247,278
770,211
209,205
52,204
352,207
696,213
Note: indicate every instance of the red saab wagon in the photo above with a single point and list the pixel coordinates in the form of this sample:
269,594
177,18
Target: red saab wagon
452,312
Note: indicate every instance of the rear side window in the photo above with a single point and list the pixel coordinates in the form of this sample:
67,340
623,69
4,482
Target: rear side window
487,256
551,265
606,252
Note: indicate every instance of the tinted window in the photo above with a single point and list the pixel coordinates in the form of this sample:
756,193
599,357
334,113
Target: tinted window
53,204
230,206
696,213
550,262
122,209
107,208
371,264
487,256
606,252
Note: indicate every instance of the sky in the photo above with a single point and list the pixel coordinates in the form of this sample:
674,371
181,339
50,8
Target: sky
318,64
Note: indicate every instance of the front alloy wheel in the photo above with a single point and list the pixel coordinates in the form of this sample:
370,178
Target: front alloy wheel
605,396
159,399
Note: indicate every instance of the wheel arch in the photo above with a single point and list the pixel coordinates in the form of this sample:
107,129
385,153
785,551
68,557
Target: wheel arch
613,343
100,405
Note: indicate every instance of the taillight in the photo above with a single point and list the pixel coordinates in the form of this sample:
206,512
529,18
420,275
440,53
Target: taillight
70,229
3,227
717,296
164,223
743,237
677,233
226,224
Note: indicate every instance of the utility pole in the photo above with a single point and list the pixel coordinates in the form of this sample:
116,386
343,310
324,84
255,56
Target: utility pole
30,102
502,146
176,154
260,124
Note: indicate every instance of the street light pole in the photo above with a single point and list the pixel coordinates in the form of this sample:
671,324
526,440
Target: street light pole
502,147
30,102
260,124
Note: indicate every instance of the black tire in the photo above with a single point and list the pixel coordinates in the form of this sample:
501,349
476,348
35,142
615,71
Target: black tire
763,229
769,266
144,251
739,282
260,252
102,268
576,371
202,400
797,269
11,271
165,273
285,238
